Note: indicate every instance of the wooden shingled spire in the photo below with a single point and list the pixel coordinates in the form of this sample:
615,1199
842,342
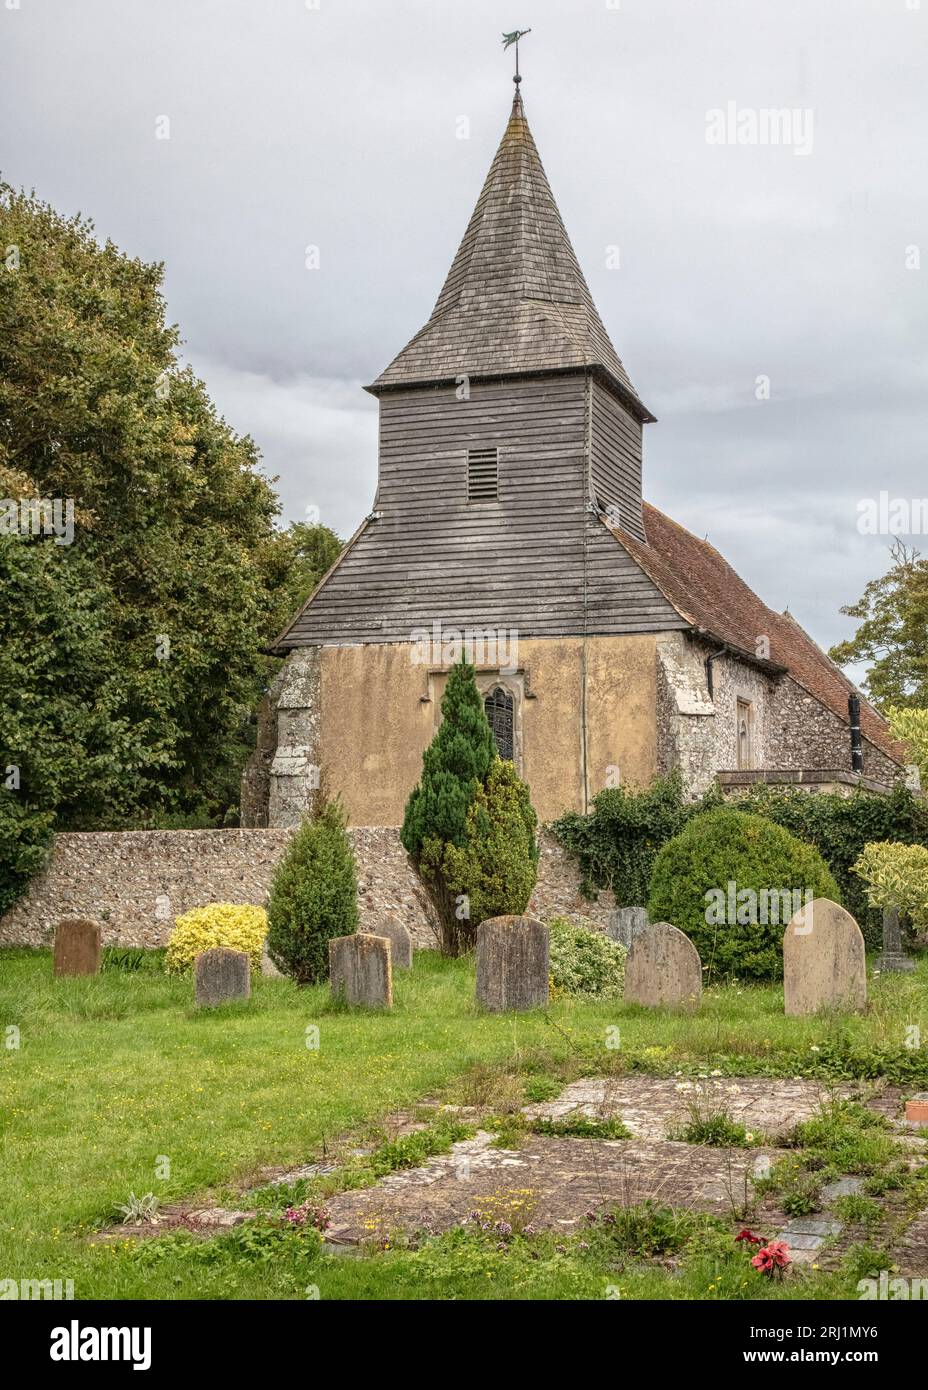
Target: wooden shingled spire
515,301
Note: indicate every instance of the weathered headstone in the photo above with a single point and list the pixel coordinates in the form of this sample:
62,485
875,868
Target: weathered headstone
399,938
512,963
78,947
893,957
221,975
663,968
269,969
361,969
824,961
623,924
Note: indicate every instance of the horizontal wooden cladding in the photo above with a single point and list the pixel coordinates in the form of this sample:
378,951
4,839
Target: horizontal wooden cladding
615,460
536,561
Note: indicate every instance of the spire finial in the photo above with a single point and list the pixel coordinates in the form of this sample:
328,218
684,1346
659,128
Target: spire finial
513,38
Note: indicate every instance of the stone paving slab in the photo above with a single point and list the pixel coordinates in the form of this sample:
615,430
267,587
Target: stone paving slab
653,1107
911,1254
559,1179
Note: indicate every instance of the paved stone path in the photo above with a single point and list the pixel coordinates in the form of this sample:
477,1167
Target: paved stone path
553,1182
653,1107
558,1179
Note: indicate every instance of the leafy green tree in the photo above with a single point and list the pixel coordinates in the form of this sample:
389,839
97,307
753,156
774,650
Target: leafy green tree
309,552
68,752
314,896
175,529
893,633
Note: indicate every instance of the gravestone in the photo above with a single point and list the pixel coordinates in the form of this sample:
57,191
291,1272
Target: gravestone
361,969
893,957
399,938
663,968
221,974
512,963
824,962
78,947
625,923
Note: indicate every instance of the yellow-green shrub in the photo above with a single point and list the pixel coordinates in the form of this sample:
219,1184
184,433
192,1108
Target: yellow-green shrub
897,876
237,926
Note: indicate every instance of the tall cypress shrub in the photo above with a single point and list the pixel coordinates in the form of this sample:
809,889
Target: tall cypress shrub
314,896
455,768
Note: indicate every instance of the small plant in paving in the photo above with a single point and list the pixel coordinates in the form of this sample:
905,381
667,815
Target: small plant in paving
140,1210
858,1210
646,1229
313,896
708,1122
580,1127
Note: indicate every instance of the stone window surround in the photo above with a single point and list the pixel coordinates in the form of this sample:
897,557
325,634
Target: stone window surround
516,683
744,700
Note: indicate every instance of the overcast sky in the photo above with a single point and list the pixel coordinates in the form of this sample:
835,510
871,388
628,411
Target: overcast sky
338,125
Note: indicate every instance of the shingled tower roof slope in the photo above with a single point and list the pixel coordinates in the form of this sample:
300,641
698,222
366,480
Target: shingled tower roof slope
515,301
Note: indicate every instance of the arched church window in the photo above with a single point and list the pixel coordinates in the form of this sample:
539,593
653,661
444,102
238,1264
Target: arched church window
498,707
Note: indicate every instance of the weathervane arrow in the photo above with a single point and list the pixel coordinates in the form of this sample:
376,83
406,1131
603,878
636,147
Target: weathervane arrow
513,38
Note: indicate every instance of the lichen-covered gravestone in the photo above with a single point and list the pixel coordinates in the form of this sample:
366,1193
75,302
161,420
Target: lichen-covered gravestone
625,923
221,975
361,969
399,938
512,963
663,968
824,962
78,947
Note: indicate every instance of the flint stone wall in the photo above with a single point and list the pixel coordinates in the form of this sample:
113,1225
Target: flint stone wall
135,882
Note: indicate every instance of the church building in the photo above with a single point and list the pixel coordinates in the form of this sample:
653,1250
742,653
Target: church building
610,644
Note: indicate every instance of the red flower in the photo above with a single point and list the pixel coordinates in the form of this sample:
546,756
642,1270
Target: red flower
749,1235
773,1257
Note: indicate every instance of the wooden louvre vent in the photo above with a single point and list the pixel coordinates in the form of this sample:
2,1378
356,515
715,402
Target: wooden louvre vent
482,475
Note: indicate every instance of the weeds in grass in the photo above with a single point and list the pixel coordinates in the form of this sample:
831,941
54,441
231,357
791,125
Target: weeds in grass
857,1210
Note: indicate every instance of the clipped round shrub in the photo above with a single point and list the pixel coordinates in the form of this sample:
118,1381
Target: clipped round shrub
583,960
314,897
732,881
237,926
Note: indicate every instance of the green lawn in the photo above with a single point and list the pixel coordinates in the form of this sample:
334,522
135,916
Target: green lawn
113,1074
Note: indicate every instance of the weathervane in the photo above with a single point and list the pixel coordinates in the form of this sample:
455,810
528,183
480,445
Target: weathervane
513,38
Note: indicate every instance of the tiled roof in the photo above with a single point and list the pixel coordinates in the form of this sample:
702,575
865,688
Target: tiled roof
707,592
515,299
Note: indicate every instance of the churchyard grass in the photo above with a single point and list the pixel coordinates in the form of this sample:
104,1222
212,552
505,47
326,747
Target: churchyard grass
116,1074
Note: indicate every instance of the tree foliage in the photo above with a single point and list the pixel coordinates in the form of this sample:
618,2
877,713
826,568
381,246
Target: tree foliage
133,655
893,633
